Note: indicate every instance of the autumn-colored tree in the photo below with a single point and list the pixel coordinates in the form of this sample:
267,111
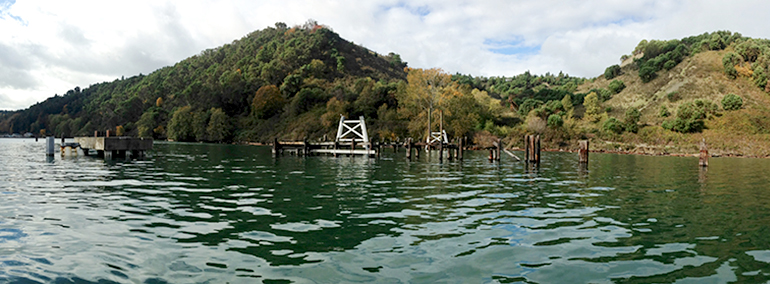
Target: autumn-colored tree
119,130
159,102
425,92
267,102
593,107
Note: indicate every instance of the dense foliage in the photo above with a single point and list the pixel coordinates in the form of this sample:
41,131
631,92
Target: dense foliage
690,116
230,92
295,83
732,102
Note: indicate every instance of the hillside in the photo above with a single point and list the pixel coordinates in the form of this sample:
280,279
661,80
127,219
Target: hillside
289,83
308,64
704,75
294,83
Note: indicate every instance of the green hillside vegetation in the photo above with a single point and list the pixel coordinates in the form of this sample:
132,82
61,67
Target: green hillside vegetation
291,84
717,91
295,83
215,89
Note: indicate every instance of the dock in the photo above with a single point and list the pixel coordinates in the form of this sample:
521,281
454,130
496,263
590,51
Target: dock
109,147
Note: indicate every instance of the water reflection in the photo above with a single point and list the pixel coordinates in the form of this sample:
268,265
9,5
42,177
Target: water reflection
218,213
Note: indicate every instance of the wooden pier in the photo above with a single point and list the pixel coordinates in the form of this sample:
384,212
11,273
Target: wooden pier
109,147
352,139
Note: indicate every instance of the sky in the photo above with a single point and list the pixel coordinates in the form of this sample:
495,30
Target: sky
48,47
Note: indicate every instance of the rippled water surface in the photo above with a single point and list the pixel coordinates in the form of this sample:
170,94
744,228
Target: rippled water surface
197,213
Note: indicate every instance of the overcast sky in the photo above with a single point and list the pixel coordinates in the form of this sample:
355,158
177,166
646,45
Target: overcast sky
49,47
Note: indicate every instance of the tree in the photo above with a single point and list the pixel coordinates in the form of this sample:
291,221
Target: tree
647,73
593,107
180,127
119,131
616,86
199,124
529,105
612,72
425,92
267,102
555,121
729,61
613,125
690,116
732,102
631,120
218,128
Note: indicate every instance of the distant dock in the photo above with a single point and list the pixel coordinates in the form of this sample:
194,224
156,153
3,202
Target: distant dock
110,147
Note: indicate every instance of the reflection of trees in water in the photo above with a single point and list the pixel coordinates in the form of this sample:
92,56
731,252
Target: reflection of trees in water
278,210
288,209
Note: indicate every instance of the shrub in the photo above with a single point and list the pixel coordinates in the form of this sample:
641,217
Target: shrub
603,94
555,121
690,116
616,86
529,105
663,112
647,73
669,64
613,125
729,61
732,102
632,118
672,96
612,72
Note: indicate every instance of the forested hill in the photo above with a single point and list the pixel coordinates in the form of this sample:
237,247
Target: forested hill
290,70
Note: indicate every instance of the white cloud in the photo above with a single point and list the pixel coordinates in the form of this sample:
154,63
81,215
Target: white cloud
49,47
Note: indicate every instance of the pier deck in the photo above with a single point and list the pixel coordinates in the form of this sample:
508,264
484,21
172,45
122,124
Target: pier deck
115,146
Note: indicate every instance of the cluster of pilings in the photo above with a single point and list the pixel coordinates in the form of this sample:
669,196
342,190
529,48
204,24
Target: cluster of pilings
453,150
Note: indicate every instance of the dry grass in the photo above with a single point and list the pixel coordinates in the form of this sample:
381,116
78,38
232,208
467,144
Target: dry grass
745,132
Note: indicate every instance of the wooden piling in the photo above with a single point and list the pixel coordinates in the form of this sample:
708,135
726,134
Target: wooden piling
440,150
532,148
703,161
409,148
276,147
460,150
336,147
497,150
352,146
583,152
526,148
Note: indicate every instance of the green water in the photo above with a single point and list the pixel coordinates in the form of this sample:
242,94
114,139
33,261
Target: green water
199,213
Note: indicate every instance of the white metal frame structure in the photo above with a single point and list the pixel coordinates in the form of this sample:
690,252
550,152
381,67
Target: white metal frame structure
437,137
352,130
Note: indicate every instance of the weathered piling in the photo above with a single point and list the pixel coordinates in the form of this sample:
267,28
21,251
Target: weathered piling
583,152
49,145
276,147
409,148
440,150
703,161
460,150
532,148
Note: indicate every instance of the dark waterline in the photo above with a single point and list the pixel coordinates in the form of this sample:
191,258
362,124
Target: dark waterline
195,213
